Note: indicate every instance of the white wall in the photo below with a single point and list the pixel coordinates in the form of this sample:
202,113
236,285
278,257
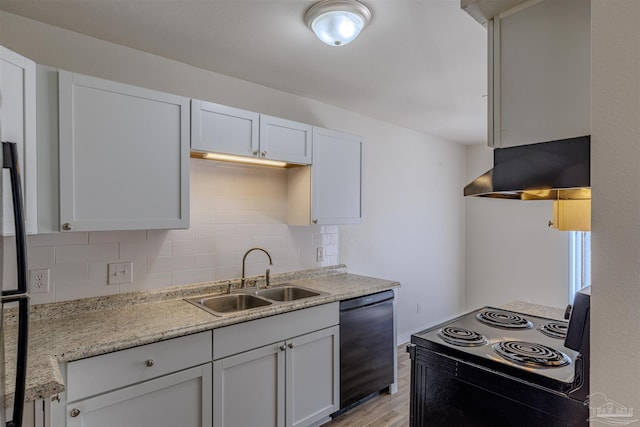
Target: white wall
511,252
414,210
615,159
414,226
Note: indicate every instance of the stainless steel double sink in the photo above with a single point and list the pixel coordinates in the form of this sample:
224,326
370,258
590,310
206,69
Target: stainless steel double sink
249,299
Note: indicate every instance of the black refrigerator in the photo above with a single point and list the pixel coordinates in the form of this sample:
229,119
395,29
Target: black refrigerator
14,294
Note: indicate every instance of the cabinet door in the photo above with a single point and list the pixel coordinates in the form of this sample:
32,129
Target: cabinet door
181,399
313,377
124,156
221,129
285,140
248,388
18,124
336,178
539,73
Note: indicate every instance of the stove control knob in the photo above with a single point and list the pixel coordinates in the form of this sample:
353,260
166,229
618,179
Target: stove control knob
567,312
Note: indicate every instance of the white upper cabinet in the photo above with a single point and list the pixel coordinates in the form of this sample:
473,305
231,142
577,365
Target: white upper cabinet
124,156
330,191
18,124
285,140
539,72
221,129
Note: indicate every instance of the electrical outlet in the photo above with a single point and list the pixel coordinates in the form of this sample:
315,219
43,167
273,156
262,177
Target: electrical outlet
320,254
39,281
120,272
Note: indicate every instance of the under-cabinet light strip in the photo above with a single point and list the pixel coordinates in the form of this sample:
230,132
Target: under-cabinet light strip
241,159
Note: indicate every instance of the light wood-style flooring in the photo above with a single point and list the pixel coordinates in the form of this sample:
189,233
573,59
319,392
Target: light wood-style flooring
385,410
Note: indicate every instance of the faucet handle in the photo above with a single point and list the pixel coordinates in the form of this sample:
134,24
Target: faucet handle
267,277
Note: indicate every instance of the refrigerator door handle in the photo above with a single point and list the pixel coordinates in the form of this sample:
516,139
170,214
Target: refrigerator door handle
21,365
10,161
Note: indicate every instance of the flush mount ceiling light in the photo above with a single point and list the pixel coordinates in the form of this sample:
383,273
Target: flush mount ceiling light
337,22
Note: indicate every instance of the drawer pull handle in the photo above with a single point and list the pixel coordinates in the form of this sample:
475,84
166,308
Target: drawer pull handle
150,363
75,412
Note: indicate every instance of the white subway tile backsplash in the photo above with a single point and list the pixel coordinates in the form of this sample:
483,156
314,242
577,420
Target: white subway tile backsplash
170,263
96,237
66,291
58,239
193,247
152,248
231,272
185,277
213,231
202,216
233,208
86,253
41,256
147,281
170,234
70,272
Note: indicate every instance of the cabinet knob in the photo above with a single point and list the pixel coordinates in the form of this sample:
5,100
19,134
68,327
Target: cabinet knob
315,221
290,345
283,347
263,154
256,153
75,412
66,226
150,363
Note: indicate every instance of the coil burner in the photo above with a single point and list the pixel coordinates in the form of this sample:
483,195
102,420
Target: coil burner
554,329
461,336
531,354
503,319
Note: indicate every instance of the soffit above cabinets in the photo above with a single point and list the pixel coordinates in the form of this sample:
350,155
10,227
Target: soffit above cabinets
483,10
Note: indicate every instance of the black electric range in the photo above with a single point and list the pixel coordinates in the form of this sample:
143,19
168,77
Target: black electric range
496,367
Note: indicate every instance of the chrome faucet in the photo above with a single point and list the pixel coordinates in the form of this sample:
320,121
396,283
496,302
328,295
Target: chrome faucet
243,283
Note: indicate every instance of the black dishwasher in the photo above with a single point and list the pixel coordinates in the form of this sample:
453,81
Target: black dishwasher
367,348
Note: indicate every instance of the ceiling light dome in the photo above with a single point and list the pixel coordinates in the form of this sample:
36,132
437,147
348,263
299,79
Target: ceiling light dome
337,22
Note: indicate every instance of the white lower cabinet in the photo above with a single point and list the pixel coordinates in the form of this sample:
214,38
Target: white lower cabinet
164,384
181,399
249,388
278,371
275,371
312,377
288,383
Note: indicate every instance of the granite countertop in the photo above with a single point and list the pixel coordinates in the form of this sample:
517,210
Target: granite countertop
556,313
67,331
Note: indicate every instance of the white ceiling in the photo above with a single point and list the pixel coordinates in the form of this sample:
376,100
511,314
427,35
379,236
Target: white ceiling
420,64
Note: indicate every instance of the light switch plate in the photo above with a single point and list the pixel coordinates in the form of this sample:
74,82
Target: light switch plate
120,272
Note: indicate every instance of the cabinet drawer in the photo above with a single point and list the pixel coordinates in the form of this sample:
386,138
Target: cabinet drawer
98,374
245,336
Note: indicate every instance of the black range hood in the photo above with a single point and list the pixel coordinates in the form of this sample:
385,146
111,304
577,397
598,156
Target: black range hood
554,170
